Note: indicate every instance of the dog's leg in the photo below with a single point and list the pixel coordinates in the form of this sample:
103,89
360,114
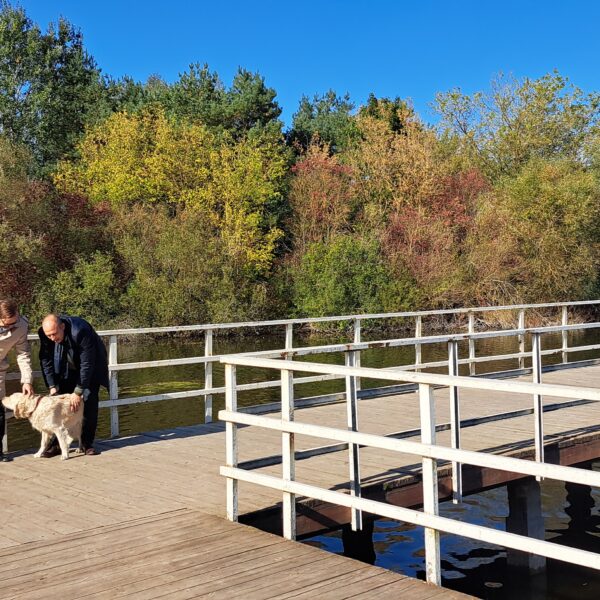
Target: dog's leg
62,437
43,444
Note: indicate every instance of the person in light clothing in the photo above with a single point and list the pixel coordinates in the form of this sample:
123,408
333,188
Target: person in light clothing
13,334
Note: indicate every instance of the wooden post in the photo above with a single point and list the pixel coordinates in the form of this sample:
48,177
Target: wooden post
521,325
289,335
357,352
471,344
288,456
525,517
433,569
231,445
113,388
353,449
418,334
538,405
455,421
208,376
565,335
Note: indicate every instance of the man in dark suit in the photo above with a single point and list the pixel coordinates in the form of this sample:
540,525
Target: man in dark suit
73,361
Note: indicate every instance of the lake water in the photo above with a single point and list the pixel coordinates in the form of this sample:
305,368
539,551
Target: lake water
471,567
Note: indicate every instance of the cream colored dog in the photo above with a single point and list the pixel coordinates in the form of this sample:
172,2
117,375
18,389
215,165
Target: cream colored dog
50,415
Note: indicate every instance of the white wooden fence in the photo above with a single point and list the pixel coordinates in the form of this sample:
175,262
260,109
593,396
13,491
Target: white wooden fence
430,453
209,388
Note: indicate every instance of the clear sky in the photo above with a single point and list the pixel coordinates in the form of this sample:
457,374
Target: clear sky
408,49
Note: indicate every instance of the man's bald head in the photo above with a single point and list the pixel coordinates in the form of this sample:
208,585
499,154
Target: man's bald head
53,328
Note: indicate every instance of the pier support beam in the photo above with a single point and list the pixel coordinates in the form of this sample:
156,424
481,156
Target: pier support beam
525,518
580,503
359,544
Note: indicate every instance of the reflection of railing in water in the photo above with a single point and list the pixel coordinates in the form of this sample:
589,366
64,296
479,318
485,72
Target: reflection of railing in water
209,390
430,453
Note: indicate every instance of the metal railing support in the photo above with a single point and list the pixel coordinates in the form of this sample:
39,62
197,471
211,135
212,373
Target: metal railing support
538,410
418,334
231,442
357,333
113,385
433,569
455,421
288,454
472,369
521,325
353,449
208,376
565,334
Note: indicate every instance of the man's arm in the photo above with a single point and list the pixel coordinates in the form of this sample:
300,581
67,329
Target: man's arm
47,360
23,350
86,344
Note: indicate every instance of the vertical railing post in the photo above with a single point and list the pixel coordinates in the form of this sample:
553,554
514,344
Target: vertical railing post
430,485
565,334
287,453
538,407
455,420
208,376
231,442
113,387
353,449
521,325
357,352
418,334
471,344
289,335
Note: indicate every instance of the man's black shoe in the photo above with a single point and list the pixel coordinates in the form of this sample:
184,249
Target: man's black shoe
4,458
50,452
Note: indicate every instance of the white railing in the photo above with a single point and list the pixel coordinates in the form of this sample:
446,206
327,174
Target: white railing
209,390
427,449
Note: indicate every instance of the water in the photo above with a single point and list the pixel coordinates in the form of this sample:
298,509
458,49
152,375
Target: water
471,567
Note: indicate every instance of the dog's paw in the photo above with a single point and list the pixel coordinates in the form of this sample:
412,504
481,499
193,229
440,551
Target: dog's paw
79,451
64,457
38,454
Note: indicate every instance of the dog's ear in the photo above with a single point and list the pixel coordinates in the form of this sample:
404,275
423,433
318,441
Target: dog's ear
30,404
18,407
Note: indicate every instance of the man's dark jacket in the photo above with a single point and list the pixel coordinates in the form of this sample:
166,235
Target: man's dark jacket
81,354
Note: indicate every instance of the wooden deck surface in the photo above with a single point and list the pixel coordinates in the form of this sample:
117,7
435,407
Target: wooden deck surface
106,515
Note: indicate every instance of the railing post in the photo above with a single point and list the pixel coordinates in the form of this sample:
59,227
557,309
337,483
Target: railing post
471,344
353,449
231,445
208,376
289,335
430,485
418,334
357,352
538,407
565,334
113,388
287,453
521,325
455,421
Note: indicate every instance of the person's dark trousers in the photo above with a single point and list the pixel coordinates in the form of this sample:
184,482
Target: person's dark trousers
90,418
2,425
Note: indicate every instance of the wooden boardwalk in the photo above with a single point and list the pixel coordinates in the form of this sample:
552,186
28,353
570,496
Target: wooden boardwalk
145,516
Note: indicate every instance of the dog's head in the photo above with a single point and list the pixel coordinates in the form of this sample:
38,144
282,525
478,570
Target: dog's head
22,405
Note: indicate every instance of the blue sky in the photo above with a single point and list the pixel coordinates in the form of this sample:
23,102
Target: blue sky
408,49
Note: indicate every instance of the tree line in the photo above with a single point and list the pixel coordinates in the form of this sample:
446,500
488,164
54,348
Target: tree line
158,203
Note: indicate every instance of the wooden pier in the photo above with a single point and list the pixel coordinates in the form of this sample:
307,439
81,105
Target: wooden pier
144,519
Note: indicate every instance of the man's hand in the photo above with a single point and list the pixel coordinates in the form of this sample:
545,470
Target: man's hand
28,389
53,391
74,401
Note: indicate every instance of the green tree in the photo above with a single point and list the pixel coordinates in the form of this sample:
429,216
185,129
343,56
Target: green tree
327,117
517,121
347,276
50,86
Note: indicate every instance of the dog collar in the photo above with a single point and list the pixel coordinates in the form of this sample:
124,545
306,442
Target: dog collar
37,401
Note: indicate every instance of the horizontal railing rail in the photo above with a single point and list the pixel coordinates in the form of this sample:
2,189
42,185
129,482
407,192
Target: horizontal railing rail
427,449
